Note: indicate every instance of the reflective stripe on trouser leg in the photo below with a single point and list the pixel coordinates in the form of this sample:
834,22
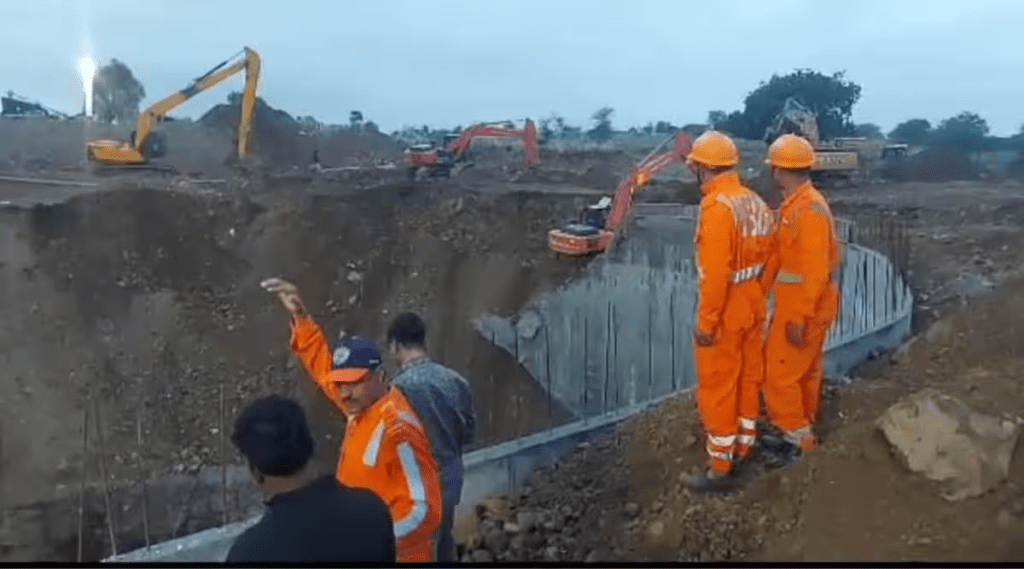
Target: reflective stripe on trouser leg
746,438
718,375
795,436
751,381
720,452
746,273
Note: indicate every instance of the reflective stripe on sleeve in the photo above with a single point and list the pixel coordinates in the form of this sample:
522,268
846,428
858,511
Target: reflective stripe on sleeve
417,492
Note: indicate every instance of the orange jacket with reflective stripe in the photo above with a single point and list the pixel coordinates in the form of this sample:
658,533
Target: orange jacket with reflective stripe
731,245
385,450
804,266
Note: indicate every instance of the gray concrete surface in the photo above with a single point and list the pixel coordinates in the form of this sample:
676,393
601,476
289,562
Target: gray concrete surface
622,335
617,343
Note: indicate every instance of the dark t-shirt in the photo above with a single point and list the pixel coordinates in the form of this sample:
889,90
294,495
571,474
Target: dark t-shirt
320,522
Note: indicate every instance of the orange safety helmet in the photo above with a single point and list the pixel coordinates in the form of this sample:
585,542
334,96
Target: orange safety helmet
791,152
713,149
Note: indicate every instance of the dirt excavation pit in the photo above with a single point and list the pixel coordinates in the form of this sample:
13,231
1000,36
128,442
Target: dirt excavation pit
146,303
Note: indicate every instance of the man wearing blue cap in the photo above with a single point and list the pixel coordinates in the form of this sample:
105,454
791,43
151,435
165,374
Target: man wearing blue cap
385,448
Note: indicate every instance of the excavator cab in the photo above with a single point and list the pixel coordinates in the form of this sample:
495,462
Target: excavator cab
155,145
595,215
592,219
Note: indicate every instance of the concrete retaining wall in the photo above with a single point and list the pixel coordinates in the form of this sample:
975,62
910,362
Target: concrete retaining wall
617,343
622,335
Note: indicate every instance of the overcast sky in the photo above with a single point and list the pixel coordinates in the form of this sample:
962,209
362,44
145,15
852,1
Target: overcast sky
451,62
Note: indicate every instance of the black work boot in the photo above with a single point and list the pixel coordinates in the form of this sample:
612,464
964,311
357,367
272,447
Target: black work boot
712,483
785,450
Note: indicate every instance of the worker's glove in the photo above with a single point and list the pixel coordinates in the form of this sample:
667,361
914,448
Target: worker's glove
795,333
287,293
703,339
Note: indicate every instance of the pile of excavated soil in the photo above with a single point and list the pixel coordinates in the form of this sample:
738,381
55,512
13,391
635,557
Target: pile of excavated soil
623,498
147,301
273,131
276,138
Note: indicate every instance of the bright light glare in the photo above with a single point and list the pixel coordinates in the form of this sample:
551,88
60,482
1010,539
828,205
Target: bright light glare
87,69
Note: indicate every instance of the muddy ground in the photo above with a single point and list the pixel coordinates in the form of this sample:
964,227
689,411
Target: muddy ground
147,301
140,294
623,498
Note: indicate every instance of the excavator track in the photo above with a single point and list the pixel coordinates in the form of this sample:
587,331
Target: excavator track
111,170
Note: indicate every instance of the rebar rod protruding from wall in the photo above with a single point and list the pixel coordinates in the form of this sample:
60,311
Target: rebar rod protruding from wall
85,470
223,459
103,473
142,476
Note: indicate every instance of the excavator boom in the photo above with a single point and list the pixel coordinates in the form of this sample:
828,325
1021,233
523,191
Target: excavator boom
641,175
581,239
440,161
141,147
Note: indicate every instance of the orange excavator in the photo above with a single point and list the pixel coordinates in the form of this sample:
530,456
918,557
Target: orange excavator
439,162
593,232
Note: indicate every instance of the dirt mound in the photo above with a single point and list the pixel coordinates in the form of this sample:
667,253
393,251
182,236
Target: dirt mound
623,498
273,130
933,165
341,147
279,138
227,115
151,298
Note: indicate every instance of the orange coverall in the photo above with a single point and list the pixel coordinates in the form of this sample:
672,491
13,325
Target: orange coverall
805,268
385,450
731,246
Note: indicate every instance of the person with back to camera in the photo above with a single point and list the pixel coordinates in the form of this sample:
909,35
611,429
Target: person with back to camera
444,403
307,518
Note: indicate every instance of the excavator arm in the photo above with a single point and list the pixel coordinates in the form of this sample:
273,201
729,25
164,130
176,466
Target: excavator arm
441,161
592,235
528,135
641,176
137,150
794,118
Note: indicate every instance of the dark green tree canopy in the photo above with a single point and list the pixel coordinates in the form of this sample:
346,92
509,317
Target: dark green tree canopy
830,97
602,129
913,131
116,93
966,131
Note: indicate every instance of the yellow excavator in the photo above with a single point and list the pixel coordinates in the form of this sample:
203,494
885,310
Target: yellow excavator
839,159
833,163
146,144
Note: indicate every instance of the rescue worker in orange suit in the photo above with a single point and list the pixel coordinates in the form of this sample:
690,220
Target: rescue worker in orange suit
731,245
803,273
385,448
